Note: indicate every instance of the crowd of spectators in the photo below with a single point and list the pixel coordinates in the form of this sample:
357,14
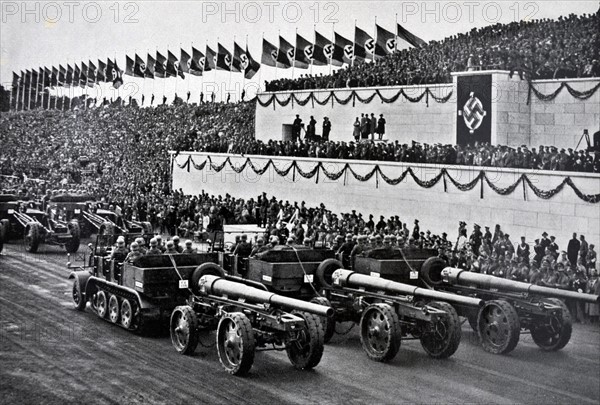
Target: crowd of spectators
536,49
485,155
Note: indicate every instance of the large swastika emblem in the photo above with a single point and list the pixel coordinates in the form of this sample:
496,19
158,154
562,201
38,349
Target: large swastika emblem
473,113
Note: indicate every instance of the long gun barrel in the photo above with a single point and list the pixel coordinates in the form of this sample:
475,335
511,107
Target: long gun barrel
457,276
220,286
347,278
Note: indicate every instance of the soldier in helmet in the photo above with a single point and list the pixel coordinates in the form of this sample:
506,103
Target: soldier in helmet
160,244
119,253
134,254
171,248
189,248
244,248
176,244
346,249
359,248
154,249
141,243
259,247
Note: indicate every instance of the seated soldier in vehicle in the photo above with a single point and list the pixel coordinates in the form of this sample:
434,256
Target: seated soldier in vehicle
243,249
177,246
154,249
259,247
119,253
160,243
385,247
171,248
141,245
308,242
189,248
346,249
134,254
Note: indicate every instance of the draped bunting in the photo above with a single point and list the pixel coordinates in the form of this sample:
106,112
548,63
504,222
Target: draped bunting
353,96
443,175
580,95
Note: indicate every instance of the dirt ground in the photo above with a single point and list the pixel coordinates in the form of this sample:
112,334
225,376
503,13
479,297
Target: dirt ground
53,354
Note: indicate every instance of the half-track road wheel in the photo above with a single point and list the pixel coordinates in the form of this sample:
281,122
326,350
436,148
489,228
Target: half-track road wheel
306,349
33,237
101,304
498,327
79,300
444,338
72,245
555,333
127,314
113,309
184,329
327,322
325,271
236,343
380,333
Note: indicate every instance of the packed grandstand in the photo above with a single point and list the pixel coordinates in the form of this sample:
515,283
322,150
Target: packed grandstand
120,154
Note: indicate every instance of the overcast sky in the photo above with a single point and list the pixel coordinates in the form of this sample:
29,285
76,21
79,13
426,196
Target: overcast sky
61,32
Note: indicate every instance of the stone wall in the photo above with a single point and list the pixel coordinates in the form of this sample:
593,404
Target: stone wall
436,209
559,122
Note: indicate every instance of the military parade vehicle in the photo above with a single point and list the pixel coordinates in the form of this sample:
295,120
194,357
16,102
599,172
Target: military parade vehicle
247,317
25,219
386,311
511,308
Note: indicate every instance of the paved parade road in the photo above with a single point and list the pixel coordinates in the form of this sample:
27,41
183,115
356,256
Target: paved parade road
50,353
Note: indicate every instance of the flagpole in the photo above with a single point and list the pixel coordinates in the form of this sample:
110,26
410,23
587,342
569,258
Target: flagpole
29,92
43,87
278,50
293,60
260,70
217,61
354,45
189,74
204,69
10,97
244,72
314,44
333,42
231,66
37,81
375,36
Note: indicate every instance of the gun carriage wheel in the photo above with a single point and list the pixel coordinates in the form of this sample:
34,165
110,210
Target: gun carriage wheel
444,337
325,271
184,329
236,343
327,322
306,350
33,237
72,245
555,332
380,333
498,327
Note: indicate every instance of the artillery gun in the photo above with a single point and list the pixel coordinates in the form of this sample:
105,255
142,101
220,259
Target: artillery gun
247,317
25,219
511,308
387,312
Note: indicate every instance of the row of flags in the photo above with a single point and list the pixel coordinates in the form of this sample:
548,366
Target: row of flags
338,51
321,52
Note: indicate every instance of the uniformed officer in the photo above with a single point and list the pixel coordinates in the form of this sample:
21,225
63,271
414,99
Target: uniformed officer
159,243
141,245
243,249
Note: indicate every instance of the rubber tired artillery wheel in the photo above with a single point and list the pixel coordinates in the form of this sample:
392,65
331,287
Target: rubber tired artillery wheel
444,338
184,329
79,300
306,351
498,327
555,333
33,237
327,322
72,245
236,343
380,333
